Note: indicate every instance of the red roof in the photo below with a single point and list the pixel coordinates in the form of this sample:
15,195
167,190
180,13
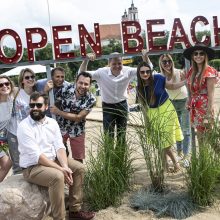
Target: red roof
109,31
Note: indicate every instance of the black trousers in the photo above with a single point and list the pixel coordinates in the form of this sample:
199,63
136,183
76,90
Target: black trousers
115,115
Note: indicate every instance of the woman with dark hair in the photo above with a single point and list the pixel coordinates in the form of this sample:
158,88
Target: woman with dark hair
178,98
152,94
20,111
201,80
6,90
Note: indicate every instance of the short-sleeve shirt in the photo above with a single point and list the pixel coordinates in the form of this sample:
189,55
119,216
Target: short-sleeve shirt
160,92
40,84
20,111
68,102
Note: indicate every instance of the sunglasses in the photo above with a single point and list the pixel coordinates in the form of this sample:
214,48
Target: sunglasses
38,105
145,71
4,84
29,77
198,53
164,62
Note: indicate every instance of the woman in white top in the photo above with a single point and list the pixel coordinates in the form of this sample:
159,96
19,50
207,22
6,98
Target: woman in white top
178,98
6,89
26,82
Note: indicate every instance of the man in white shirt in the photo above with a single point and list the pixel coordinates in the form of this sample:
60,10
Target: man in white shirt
113,82
44,161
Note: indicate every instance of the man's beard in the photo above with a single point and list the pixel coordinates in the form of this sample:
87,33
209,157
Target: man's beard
80,93
39,116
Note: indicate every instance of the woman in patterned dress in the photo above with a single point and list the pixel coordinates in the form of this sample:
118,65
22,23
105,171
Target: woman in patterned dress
201,80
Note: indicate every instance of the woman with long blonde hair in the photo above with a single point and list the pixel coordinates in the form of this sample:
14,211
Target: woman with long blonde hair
21,108
6,90
178,97
201,80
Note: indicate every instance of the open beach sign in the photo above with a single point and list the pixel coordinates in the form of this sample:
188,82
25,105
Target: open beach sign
177,36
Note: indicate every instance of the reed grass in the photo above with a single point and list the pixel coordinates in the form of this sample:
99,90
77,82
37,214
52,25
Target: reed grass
150,132
108,173
204,168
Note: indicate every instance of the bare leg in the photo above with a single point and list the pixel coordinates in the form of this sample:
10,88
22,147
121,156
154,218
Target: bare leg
168,151
5,166
165,161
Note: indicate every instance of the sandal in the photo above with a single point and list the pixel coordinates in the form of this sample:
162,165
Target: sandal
177,167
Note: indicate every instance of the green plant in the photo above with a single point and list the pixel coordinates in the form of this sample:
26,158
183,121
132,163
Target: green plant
108,173
204,168
150,133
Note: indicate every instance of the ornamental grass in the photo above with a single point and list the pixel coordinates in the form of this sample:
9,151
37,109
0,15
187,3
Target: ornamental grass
108,173
204,169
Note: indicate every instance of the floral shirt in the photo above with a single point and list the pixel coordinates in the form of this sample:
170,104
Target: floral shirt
67,101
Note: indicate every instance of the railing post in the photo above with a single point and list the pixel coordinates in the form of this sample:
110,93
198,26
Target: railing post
51,95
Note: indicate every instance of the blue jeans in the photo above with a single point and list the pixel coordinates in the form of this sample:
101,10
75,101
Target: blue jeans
115,115
14,153
184,119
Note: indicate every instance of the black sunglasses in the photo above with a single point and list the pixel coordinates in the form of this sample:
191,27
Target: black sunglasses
145,71
199,53
164,62
38,105
29,77
4,84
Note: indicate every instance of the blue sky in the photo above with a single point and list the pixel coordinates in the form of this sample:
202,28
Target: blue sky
22,14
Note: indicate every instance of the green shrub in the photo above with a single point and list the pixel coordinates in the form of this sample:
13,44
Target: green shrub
108,175
175,204
203,171
150,132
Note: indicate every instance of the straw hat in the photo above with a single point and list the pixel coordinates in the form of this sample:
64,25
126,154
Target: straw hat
209,51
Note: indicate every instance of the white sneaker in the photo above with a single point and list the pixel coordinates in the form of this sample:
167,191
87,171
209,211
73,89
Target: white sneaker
185,163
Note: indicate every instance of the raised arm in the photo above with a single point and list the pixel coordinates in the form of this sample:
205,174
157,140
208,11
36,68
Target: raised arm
84,64
146,58
172,86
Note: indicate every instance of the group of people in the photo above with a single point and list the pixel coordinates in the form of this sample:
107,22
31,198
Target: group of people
38,143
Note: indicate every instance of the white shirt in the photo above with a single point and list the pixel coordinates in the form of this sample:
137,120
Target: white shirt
20,111
180,93
36,138
113,88
5,113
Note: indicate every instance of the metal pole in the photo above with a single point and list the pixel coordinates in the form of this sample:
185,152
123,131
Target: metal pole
193,133
51,95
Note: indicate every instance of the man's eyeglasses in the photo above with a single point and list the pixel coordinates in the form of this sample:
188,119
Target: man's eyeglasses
199,53
29,77
4,84
165,62
145,71
38,105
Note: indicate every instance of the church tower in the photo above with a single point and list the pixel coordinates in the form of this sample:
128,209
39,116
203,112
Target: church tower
132,13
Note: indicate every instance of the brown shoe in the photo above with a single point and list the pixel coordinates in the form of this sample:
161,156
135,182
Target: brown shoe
81,215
